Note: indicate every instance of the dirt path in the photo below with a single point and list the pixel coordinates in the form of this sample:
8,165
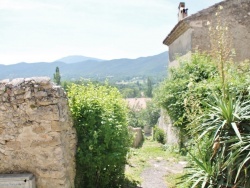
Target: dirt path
153,176
149,165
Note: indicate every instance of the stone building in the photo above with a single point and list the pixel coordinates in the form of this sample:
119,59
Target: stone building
192,32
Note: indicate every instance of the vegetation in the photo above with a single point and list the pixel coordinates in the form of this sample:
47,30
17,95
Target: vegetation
137,87
139,159
99,116
159,135
215,115
151,114
57,76
184,92
208,99
144,117
149,91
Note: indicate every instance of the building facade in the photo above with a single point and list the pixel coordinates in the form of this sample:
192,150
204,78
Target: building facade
192,32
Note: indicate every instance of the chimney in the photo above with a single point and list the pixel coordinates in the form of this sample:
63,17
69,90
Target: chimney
183,12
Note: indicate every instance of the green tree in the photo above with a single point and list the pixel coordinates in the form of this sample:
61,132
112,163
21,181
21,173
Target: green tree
57,76
151,114
149,88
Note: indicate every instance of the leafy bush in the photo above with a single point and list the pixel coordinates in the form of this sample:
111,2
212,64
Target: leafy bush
151,114
217,126
135,117
99,114
187,83
144,117
159,135
227,125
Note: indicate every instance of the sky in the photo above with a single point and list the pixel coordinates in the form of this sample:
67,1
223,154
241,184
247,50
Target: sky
47,30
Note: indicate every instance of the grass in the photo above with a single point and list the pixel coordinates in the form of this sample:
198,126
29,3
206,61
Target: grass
138,159
172,181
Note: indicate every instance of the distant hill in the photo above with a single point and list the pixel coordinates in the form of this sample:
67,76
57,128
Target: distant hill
117,68
76,59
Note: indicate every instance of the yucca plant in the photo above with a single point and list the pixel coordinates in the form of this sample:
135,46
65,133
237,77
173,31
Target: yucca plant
225,117
228,126
239,160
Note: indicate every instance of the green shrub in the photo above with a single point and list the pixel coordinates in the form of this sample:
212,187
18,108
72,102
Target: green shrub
186,88
159,135
99,114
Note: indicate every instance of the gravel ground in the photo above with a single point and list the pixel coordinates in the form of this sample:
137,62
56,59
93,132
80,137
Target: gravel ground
153,176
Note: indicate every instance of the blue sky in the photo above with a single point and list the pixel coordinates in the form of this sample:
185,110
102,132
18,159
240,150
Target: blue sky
46,30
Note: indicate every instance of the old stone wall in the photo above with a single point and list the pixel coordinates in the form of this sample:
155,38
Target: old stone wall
36,132
193,31
235,14
137,136
181,45
172,132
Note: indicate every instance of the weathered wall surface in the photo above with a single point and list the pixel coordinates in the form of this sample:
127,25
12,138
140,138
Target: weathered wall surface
181,45
36,132
138,136
172,132
235,14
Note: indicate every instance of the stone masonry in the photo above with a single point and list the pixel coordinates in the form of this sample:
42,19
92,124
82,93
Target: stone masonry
193,32
36,132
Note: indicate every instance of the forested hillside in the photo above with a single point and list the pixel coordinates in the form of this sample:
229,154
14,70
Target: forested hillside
117,68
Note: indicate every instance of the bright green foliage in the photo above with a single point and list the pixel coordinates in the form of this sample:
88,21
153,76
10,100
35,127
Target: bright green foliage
144,117
227,124
159,135
99,114
135,118
151,114
217,115
188,83
57,76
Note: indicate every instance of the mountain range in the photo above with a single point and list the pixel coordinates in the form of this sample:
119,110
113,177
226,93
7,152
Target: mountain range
77,59
76,67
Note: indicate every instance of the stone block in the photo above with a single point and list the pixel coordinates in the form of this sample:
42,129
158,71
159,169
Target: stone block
17,181
14,145
55,126
27,95
38,129
138,136
40,94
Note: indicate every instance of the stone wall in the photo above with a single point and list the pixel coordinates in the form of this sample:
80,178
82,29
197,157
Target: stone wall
181,45
36,132
137,136
236,15
172,132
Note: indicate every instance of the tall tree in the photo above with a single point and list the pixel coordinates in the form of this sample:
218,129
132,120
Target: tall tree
149,88
57,76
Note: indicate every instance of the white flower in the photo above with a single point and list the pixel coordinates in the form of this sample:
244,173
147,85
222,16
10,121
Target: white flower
220,7
190,84
185,102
